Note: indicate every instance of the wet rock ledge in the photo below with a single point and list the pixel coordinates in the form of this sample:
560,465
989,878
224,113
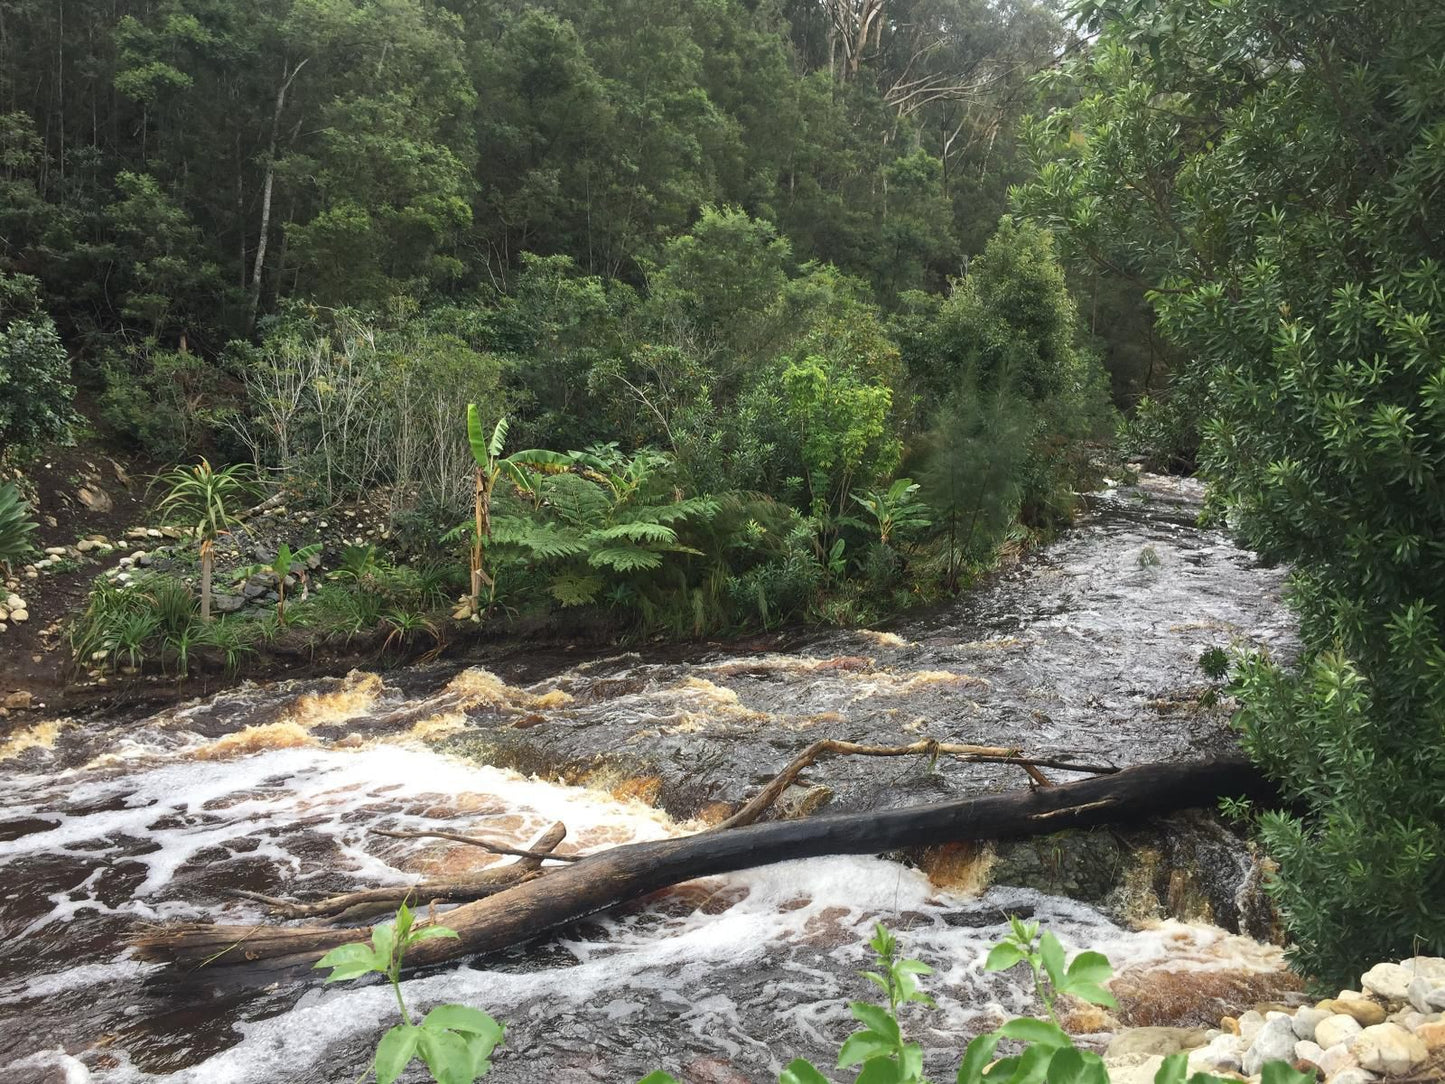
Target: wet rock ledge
1390,1029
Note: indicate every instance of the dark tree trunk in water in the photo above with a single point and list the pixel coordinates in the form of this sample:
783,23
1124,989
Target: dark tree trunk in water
624,873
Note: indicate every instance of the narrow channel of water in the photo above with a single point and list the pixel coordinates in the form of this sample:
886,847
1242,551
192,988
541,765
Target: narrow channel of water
1087,648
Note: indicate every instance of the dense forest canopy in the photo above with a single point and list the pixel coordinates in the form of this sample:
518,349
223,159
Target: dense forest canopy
732,275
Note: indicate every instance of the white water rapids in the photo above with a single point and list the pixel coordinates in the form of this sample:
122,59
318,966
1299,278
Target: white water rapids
276,788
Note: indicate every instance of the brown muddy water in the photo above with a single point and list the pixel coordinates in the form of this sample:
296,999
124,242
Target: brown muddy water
1088,648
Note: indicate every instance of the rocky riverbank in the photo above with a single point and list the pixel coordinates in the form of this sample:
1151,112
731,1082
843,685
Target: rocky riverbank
1389,1029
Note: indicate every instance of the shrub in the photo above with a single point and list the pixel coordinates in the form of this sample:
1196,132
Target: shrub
35,393
15,526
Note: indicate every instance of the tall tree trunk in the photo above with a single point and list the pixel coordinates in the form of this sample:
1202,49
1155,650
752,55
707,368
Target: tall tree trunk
267,187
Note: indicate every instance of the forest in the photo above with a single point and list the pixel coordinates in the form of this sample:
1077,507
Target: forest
643,322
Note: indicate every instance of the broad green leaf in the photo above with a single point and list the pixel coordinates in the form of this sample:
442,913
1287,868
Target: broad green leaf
881,1071
1095,995
1090,967
1052,954
1173,1070
1002,957
465,1019
877,1019
979,1053
447,1056
1028,1030
383,940
476,439
914,967
346,972
350,962
394,1051
659,1077
799,1071
862,1045
1072,1066
911,1062
499,438
1032,1066
1281,1072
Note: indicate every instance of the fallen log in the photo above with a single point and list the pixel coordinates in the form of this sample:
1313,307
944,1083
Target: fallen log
627,872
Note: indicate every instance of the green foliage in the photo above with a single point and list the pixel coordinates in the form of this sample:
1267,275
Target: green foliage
454,1041
15,526
1270,170
281,568
1214,662
205,499
895,510
35,394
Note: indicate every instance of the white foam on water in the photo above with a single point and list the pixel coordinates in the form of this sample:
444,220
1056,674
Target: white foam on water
792,944
249,807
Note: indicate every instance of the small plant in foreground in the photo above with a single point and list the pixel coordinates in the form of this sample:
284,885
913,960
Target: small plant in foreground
1215,663
455,1041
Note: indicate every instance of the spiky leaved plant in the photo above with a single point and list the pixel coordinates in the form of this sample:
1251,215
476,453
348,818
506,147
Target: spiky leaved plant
204,499
15,525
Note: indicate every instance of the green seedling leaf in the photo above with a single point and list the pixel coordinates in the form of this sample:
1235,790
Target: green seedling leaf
447,1056
465,1019
1174,1069
979,1053
799,1071
395,1051
349,962
877,1019
863,1045
1032,1066
405,917
1095,995
1003,956
383,941
1052,954
1281,1072
1089,967
1039,1032
881,1071
659,1077
1072,1066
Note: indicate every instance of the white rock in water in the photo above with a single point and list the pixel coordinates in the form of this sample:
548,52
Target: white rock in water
1275,1042
1388,1048
1339,1028
1305,1021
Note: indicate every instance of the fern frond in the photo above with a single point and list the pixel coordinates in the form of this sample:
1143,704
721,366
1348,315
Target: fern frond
623,559
635,532
571,589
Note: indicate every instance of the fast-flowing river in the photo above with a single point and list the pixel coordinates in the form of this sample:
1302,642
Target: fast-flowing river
1088,648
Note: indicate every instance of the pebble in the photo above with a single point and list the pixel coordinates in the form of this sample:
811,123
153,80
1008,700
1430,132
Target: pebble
1223,1054
1388,1048
1338,1028
1305,1050
1352,1075
17,616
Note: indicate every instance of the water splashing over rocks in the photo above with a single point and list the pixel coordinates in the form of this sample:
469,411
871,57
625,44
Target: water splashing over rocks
1082,649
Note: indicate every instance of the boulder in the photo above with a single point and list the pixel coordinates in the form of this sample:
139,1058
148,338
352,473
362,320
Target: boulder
1338,1028
1336,1058
1249,1024
1275,1042
1133,1047
1222,1054
1388,982
1304,1050
1427,994
1362,1009
226,604
1306,1020
1388,1048
1432,1034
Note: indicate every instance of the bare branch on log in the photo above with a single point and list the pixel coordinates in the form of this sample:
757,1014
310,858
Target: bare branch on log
374,901
486,845
978,754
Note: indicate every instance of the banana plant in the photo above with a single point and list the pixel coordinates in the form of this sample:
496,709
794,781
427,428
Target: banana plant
285,564
518,468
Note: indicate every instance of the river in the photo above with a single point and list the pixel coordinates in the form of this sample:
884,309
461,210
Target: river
1088,647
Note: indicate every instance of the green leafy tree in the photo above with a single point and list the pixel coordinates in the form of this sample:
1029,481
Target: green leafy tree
1272,170
35,393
